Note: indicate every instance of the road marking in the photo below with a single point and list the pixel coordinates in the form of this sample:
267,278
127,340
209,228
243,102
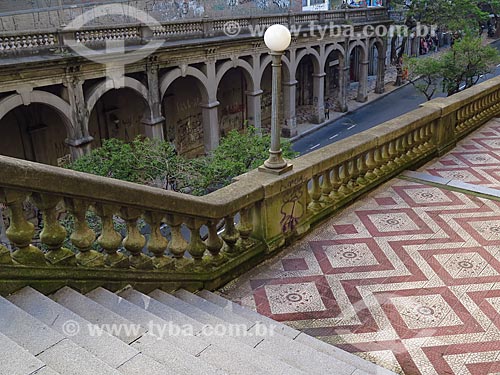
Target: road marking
498,66
462,87
350,127
334,136
313,147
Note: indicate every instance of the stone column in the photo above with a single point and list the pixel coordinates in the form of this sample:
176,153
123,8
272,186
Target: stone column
79,147
319,97
153,119
363,82
254,108
289,126
380,84
79,140
211,130
343,85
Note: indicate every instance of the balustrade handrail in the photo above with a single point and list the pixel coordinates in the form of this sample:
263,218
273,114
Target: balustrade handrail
248,188
318,15
272,209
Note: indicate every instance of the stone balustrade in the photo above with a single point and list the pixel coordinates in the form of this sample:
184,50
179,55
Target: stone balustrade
58,40
213,238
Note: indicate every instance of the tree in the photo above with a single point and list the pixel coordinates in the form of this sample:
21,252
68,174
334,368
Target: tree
457,69
238,153
155,162
466,62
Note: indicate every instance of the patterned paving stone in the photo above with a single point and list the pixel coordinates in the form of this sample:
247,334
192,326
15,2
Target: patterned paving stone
408,277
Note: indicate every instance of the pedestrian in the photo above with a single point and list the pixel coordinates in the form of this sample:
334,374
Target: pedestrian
327,109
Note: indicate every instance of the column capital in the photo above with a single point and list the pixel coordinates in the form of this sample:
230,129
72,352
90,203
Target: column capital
79,141
254,93
291,83
153,121
319,75
211,105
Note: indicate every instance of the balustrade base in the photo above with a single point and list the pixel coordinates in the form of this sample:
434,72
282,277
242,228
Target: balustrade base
278,172
163,263
30,255
141,262
116,260
63,257
90,259
5,255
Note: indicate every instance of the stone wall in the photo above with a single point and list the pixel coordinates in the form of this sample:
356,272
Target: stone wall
46,14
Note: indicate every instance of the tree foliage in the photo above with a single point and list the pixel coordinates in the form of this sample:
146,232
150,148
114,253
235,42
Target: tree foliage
155,162
425,74
457,69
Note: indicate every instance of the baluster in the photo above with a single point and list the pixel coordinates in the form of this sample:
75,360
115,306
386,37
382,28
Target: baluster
83,237
371,165
214,243
315,194
196,247
21,231
177,245
398,149
410,155
53,233
344,177
230,236
354,173
110,240
157,244
326,188
392,153
422,147
379,162
363,169
385,158
134,242
336,183
5,257
245,228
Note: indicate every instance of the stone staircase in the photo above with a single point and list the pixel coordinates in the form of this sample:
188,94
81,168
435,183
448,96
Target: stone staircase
131,333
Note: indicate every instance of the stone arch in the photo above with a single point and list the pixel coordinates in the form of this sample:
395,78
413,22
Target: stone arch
176,73
247,70
358,43
62,107
316,60
286,72
329,49
102,88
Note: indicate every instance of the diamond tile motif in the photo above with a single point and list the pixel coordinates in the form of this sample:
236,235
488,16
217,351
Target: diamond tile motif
349,255
292,298
407,277
465,265
428,311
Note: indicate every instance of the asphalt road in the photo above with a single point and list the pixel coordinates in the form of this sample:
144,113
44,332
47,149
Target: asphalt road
395,104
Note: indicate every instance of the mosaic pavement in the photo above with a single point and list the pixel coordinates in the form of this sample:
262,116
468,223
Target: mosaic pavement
408,277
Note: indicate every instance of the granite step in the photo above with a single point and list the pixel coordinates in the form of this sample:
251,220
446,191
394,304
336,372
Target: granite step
20,361
49,346
122,331
298,355
293,334
219,354
157,344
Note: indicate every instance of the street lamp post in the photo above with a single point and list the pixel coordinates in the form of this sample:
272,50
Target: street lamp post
277,39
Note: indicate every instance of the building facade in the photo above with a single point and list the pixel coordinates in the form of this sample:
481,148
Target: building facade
193,89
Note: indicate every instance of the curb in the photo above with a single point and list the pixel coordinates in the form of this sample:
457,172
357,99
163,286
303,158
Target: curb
320,126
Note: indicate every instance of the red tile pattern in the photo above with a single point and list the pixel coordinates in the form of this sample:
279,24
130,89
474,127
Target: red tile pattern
475,160
408,277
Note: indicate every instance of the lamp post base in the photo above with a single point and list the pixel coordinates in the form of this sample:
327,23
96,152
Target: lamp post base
288,167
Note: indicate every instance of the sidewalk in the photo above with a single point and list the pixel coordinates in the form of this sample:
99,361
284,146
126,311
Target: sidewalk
306,127
407,277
